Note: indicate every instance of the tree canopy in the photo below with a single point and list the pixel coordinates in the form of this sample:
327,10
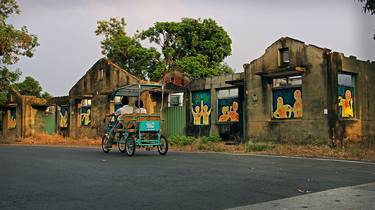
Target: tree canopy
369,7
29,86
7,78
193,46
14,43
127,52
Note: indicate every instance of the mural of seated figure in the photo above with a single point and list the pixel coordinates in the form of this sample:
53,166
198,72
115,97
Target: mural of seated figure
283,111
224,117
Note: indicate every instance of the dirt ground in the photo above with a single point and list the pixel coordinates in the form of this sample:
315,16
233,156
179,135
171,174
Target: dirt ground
350,152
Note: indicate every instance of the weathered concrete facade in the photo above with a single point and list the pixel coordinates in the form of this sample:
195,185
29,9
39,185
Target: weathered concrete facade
362,126
293,93
227,130
81,113
96,85
317,70
29,116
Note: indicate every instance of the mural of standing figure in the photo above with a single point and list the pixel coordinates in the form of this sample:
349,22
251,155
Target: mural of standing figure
283,111
297,107
86,118
197,115
201,107
346,104
205,113
64,119
233,115
12,118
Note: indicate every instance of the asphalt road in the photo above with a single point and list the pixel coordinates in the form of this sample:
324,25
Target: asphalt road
85,178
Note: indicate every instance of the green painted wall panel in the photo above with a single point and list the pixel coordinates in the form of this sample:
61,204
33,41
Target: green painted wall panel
50,124
175,120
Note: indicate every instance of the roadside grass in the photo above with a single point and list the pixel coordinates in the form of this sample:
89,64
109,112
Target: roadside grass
46,139
258,147
352,151
215,144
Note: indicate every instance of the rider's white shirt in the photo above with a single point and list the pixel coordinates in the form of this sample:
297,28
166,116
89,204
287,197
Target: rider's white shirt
126,109
140,111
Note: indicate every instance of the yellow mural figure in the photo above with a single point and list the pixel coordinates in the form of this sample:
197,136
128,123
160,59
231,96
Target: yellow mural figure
346,104
11,120
233,115
86,117
205,113
197,115
64,120
224,117
297,107
282,110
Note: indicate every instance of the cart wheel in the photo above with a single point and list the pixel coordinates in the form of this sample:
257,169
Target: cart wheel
163,148
122,145
130,146
105,140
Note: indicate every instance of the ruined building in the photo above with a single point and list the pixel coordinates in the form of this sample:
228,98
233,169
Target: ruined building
293,93
299,93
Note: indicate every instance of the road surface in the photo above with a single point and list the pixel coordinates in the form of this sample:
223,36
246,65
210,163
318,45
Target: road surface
45,177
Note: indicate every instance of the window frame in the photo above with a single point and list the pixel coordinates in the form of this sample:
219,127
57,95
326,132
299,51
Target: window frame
180,99
353,85
100,74
88,106
281,53
227,97
287,86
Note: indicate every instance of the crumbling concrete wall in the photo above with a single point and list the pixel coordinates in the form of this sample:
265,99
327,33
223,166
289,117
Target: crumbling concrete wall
30,116
211,84
97,84
305,60
362,126
319,69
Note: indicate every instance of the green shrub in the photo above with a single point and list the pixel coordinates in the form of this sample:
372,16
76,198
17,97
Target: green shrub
251,147
181,140
214,139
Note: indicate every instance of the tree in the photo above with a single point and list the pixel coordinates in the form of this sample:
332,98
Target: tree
7,78
30,87
369,7
197,47
127,52
46,95
13,44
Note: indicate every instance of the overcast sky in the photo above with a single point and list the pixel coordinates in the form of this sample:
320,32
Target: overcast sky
69,47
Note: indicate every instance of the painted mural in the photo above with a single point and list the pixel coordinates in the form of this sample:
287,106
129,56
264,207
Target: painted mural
346,101
86,116
64,116
12,116
201,107
228,110
287,103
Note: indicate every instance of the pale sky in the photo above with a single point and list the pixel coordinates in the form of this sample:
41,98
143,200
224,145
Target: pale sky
69,47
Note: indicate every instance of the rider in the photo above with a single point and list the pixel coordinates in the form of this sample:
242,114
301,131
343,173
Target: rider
140,109
125,109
